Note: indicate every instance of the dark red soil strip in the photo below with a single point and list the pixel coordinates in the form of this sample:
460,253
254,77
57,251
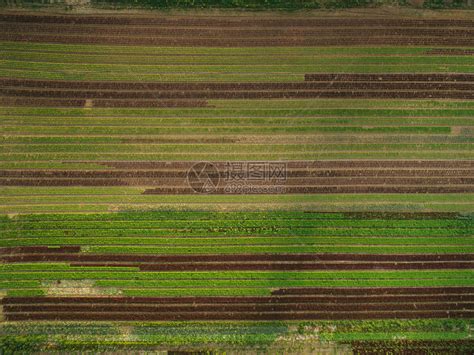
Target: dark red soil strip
367,307
20,101
285,266
224,21
403,215
450,51
308,294
186,140
371,290
312,83
389,77
295,41
412,347
176,316
296,299
321,164
62,255
172,176
196,266
241,32
314,189
277,188
41,250
105,99
42,102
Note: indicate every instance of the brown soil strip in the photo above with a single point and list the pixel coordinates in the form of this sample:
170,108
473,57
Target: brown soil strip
312,83
181,316
295,41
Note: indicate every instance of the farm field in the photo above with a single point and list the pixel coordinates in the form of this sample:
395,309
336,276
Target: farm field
234,183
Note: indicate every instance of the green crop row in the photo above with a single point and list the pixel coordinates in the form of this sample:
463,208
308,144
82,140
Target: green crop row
98,337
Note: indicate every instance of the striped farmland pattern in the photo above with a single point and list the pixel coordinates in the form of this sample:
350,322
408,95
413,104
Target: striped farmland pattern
253,173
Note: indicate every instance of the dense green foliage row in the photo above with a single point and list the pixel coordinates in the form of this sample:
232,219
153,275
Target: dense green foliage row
31,336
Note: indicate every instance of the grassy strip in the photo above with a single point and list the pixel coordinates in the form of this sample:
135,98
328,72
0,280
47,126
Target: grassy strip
283,249
291,242
228,148
240,216
291,220
117,61
155,232
107,50
281,139
323,65
277,76
74,336
177,277
320,155
32,292
328,207
93,76
325,109
348,104
262,291
153,130
216,199
8,285
223,121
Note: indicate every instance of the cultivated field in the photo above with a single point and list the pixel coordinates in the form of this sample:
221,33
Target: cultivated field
227,182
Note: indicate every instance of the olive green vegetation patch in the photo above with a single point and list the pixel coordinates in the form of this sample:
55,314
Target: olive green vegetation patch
219,335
